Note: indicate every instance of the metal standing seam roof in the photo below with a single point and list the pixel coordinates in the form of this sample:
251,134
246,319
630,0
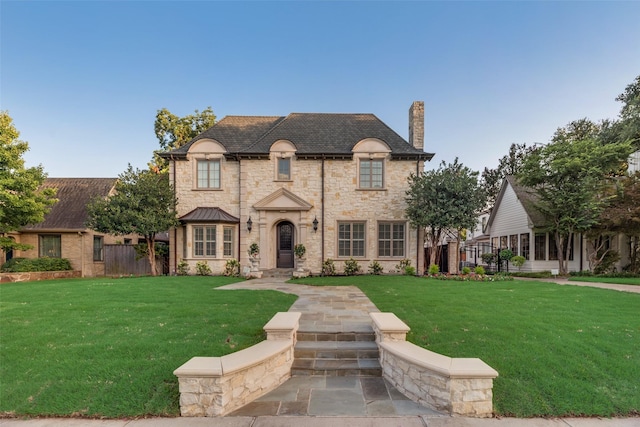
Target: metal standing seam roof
209,215
311,133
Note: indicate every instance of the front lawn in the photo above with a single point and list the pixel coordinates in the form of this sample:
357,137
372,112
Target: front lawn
559,350
108,347
614,280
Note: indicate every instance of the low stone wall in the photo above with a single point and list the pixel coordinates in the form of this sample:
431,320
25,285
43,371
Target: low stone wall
459,386
216,386
33,276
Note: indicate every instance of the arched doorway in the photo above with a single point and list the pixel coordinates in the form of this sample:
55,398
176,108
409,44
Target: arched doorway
284,250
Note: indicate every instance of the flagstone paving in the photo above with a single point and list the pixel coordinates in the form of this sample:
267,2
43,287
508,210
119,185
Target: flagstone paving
338,313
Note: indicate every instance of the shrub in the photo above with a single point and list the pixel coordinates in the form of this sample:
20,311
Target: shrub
466,270
405,267
299,250
202,268
231,268
479,270
607,265
375,268
328,268
21,265
434,269
254,250
183,268
488,258
351,267
518,261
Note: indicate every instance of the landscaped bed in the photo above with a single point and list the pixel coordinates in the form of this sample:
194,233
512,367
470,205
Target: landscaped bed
559,350
108,347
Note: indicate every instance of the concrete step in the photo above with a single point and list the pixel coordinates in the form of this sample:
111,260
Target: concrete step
335,336
343,350
336,354
337,367
285,273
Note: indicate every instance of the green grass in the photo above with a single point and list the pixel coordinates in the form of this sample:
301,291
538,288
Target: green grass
614,280
108,347
559,350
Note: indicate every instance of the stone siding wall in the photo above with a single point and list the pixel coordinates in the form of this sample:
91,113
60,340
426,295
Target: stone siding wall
247,182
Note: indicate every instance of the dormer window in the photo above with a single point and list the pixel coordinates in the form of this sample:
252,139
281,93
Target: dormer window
371,173
371,155
209,173
284,169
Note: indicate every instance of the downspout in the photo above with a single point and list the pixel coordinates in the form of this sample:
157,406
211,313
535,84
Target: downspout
239,203
175,229
322,216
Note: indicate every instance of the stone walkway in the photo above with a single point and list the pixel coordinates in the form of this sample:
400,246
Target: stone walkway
330,309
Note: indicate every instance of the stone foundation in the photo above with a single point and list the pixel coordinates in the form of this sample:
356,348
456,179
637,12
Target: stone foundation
459,386
216,386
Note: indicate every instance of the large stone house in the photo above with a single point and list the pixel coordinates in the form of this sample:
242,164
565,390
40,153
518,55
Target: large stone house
334,183
63,233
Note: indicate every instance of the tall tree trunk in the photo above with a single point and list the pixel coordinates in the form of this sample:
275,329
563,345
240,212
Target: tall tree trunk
151,253
560,252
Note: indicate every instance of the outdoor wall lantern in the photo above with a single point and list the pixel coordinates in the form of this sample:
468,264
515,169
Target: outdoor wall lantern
315,224
249,224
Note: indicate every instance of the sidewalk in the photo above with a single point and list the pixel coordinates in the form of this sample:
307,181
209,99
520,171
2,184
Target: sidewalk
563,281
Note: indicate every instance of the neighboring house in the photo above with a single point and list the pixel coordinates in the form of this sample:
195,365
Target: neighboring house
63,233
477,242
333,182
516,224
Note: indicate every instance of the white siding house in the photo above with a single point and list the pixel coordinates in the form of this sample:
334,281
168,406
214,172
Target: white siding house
516,224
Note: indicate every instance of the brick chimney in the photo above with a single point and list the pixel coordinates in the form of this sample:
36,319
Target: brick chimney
416,125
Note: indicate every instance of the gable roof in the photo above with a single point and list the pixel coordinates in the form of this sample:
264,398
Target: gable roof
527,197
313,134
73,194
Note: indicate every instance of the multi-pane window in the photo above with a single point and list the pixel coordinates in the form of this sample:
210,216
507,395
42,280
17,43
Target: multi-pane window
504,242
351,239
204,241
391,240
208,173
371,173
98,248
524,245
513,243
227,239
50,246
284,168
540,246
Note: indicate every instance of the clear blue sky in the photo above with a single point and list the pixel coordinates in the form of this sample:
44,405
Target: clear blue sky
83,80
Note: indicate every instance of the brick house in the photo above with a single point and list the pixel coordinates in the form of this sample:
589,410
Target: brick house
333,182
63,233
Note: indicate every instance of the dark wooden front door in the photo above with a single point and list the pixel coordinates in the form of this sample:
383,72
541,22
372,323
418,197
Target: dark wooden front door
285,245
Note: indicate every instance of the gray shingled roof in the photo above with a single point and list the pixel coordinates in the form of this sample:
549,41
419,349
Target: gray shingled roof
311,133
209,215
70,212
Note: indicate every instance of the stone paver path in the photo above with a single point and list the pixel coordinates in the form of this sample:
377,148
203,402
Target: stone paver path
330,309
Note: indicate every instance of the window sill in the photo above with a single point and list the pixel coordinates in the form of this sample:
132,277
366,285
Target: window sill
371,189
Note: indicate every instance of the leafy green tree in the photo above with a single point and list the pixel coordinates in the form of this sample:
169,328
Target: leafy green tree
509,164
569,177
22,201
144,203
449,198
173,131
